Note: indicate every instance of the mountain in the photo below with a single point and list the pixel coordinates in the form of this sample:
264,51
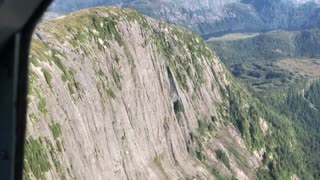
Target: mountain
114,94
212,18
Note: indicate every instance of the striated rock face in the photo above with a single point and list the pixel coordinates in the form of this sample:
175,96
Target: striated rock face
116,95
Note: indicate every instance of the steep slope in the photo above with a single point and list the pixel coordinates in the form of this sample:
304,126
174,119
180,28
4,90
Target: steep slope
119,95
216,16
114,94
282,69
301,103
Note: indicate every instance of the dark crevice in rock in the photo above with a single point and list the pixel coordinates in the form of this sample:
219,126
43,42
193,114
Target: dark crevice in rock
39,36
177,104
173,88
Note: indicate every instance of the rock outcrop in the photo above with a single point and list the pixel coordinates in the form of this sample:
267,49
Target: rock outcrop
116,95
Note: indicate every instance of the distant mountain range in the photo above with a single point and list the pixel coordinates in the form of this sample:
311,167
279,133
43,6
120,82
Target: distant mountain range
216,16
268,47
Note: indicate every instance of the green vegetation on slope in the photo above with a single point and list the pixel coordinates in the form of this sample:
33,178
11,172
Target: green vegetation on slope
282,161
217,174
42,105
222,156
260,77
181,64
47,76
56,130
246,113
36,159
300,102
293,100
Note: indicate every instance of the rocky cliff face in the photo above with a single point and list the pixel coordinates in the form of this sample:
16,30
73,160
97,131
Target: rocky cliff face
116,95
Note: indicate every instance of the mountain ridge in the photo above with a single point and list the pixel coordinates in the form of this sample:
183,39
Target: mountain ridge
103,102
211,17
116,94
